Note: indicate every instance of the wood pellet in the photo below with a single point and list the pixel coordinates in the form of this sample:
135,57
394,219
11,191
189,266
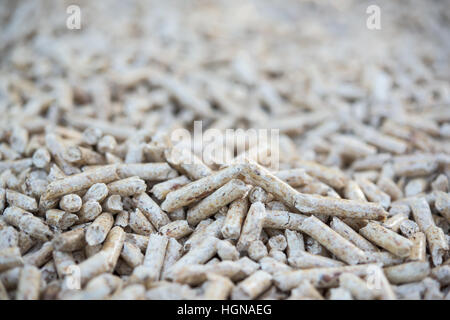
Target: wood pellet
109,189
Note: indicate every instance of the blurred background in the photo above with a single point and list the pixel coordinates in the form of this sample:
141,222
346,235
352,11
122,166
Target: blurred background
279,64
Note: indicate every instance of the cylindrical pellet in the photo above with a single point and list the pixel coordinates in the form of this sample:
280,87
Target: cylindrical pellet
387,239
252,287
29,283
97,231
252,226
229,192
339,246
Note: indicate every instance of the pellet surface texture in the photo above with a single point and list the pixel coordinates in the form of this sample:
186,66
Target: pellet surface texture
225,150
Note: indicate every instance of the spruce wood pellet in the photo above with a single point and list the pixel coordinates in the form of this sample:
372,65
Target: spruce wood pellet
186,169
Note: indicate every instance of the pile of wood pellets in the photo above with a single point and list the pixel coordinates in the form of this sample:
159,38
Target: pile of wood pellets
98,202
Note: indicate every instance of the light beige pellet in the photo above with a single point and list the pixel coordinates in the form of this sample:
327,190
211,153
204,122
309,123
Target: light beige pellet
20,200
257,194
154,256
113,204
252,287
89,211
257,250
122,219
407,272
442,204
127,187
70,241
89,251
227,251
415,187
178,214
151,210
319,188
16,165
107,143
305,260
80,181
101,287
39,257
338,245
106,259
358,287
9,237
383,258
294,177
272,265
339,294
435,236
160,190
199,189
440,183
139,223
395,222
139,240
3,293
9,153
319,277
63,262
70,203
441,274
333,177
25,242
252,227
387,239
390,187
371,162
97,231
418,251
217,287
351,235
415,165
397,208
278,255
305,291
41,157
229,192
2,198
373,193
380,140
283,220
235,216
91,135
186,162
408,228
277,242
131,292
199,254
29,283
276,205
28,223
132,255
97,192
314,247
437,243
174,252
294,243
10,258
204,229
146,171
60,219
176,229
